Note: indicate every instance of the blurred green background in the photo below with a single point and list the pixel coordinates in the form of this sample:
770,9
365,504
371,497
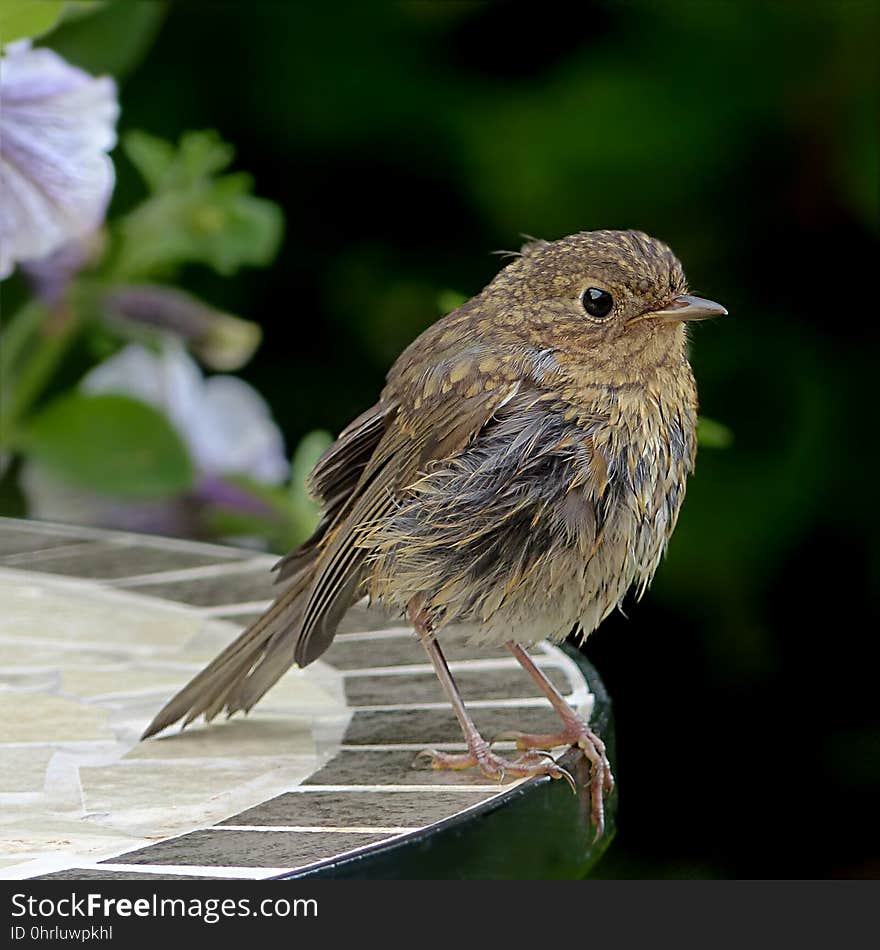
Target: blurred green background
404,142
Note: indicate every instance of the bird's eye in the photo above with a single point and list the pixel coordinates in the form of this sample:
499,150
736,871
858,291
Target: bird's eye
597,303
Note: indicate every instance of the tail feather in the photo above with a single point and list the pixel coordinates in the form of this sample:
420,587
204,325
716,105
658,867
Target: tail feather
321,579
265,648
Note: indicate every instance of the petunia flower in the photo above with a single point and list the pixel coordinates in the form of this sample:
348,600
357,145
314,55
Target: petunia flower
57,124
224,422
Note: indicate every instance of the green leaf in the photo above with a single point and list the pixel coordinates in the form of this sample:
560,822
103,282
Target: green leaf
278,525
151,156
164,168
203,154
713,435
226,523
305,512
109,444
449,300
26,19
110,37
193,215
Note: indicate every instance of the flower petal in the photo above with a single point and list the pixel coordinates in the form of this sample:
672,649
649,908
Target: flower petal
239,436
225,423
56,125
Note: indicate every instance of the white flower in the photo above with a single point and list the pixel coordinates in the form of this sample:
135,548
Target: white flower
225,422
57,124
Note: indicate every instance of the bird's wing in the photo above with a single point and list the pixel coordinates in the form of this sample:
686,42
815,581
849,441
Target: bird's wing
334,478
438,412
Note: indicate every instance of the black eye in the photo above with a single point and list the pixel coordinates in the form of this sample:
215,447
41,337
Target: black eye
597,303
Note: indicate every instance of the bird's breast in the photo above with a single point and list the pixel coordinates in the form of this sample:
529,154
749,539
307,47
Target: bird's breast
649,445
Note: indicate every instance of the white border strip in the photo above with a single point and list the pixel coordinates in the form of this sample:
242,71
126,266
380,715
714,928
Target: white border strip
181,870
526,702
122,537
431,789
229,611
57,551
420,747
202,571
312,829
492,664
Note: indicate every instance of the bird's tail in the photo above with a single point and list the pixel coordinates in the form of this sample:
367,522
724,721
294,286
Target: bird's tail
252,663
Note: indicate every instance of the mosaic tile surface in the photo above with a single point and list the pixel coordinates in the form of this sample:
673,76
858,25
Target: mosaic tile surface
98,629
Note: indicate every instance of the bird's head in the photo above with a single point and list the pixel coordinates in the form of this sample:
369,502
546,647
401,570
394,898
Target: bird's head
600,287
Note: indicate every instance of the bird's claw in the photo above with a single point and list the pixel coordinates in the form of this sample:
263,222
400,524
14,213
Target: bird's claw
579,734
533,764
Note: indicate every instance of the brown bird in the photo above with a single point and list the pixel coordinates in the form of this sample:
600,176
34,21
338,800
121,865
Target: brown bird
523,468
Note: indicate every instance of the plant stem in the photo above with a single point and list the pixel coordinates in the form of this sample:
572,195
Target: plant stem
50,334
16,336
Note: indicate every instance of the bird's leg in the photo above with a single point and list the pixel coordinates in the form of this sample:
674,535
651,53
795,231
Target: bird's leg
575,731
479,753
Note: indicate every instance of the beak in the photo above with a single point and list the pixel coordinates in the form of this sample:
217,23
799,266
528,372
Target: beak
688,307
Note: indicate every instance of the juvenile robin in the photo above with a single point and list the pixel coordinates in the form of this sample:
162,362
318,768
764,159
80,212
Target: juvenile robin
523,468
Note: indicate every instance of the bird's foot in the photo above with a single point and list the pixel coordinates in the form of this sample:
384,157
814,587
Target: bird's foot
493,766
577,733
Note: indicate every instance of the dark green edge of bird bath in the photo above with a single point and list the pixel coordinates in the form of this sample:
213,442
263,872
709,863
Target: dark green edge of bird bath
538,830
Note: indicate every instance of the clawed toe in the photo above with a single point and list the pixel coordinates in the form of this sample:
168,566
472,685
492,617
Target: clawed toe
528,740
424,760
494,767
456,761
576,733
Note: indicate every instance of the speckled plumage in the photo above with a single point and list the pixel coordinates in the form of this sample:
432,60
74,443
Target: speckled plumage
571,489
523,468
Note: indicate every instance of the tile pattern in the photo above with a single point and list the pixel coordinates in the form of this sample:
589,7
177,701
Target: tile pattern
99,628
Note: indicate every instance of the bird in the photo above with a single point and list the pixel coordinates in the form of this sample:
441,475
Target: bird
522,470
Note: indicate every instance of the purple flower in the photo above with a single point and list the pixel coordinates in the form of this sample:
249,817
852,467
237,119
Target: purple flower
224,422
57,124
